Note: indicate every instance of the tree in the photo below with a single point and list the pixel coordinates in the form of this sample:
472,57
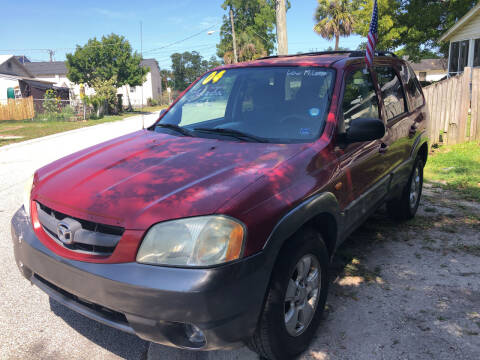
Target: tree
188,66
339,48
254,27
248,49
111,57
414,26
334,19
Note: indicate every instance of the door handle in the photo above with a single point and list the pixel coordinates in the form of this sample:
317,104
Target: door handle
383,148
413,130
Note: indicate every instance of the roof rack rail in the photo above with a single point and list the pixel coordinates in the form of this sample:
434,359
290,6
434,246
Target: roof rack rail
351,53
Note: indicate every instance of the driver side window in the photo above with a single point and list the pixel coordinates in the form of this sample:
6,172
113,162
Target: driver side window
359,99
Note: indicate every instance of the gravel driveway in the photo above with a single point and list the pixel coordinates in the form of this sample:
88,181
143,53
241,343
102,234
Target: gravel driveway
409,291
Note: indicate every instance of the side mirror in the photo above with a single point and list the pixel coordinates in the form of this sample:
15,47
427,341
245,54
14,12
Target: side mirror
365,129
163,111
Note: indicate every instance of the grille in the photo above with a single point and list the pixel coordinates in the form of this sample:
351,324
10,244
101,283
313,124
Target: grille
91,237
107,313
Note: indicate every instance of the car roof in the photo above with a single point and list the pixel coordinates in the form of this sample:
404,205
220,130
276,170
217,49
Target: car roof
324,58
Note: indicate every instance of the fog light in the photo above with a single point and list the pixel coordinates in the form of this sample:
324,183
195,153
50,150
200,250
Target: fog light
194,334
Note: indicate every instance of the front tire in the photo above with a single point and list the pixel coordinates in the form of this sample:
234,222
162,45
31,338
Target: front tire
405,207
295,300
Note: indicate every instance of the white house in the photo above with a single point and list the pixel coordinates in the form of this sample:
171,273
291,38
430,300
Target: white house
464,40
56,72
152,87
16,78
430,69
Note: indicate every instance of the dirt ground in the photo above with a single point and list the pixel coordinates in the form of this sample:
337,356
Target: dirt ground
399,291
408,291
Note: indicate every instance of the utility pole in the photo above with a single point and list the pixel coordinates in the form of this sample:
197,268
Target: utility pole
282,40
51,53
233,36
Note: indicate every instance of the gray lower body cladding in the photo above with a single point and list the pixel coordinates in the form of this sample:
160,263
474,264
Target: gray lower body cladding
153,302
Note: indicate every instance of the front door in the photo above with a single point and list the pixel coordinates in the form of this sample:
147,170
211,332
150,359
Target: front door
362,165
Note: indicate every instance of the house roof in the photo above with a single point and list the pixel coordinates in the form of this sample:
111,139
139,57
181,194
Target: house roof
5,58
460,23
150,63
40,68
429,65
22,59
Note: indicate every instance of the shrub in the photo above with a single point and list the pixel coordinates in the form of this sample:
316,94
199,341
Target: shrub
152,102
51,104
105,97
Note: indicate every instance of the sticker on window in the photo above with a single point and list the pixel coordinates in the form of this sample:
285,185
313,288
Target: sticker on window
305,131
314,111
218,76
209,78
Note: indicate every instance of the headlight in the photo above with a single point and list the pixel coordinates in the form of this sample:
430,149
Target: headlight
196,241
26,194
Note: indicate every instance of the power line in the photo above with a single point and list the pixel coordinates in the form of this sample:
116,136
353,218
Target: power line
101,45
185,39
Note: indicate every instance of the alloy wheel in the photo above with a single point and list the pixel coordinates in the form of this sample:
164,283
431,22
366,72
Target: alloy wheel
415,188
302,295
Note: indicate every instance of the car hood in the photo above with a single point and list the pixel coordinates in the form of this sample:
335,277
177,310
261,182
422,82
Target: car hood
145,177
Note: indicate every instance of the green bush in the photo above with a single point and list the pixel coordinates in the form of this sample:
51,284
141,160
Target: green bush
51,104
152,102
62,114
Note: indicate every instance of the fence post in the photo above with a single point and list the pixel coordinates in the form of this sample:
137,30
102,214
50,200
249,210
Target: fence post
453,126
465,104
475,114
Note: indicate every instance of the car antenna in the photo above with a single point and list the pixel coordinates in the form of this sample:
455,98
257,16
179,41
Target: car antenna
141,56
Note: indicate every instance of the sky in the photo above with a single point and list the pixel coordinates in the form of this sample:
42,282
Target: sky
35,26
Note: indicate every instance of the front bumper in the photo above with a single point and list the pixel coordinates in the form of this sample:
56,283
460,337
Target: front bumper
152,302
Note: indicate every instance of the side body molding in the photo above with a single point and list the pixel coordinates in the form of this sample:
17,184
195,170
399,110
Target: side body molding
323,203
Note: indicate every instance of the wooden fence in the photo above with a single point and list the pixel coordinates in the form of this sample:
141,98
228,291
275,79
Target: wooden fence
449,102
17,109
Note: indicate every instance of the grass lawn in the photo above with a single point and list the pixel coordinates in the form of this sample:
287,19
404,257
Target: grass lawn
152,108
34,129
456,167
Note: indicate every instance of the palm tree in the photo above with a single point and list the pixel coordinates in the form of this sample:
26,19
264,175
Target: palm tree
334,18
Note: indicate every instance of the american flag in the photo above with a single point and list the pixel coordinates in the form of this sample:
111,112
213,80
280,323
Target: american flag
372,36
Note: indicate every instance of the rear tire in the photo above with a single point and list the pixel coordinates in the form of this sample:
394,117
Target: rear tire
405,207
295,300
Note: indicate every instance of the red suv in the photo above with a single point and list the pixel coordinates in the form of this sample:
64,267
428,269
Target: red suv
215,226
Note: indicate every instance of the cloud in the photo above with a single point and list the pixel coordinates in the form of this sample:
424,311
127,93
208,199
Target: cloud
209,21
112,13
176,20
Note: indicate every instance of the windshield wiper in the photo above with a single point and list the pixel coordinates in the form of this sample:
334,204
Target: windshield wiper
176,128
232,132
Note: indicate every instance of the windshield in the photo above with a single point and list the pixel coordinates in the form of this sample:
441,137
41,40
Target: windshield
270,104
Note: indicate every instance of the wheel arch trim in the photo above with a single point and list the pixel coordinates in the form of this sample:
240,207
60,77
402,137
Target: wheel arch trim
324,203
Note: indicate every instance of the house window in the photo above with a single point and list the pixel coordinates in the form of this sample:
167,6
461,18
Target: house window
476,53
458,56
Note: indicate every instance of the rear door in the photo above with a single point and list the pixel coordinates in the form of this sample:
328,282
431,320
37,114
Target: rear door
416,102
397,143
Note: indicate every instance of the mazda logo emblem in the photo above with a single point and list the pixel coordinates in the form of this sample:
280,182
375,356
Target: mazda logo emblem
65,235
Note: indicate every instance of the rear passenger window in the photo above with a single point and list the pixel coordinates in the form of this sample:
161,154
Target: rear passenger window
413,88
392,92
359,98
